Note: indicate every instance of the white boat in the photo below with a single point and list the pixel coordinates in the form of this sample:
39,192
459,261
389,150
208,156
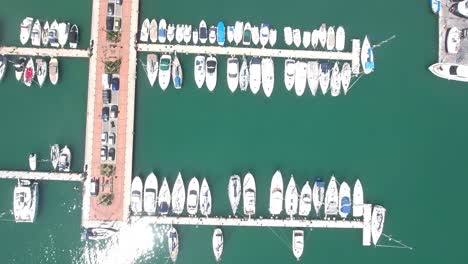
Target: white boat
32,161
170,34
212,35
305,201
41,71
234,192
249,194
53,34
150,194
358,199
453,40
145,30
203,32
289,73
230,34
19,66
63,29
179,34
54,155
313,73
64,163
331,198
276,193
344,203
268,76
164,71
97,233
331,38
193,192
152,66
3,66
264,34
450,71
288,36
238,32
322,35
211,73
435,6
232,73
345,76
340,39
177,74
300,78
378,220
459,9
73,36
367,57
199,70
53,71
296,35
162,31
291,198
306,38
255,35
247,34
36,34
335,80
318,195
178,195
273,37
255,77
29,73
164,198
25,201
244,75
324,77
136,198
205,199
195,36
173,244
153,31
314,38
217,242
298,243
25,29
187,33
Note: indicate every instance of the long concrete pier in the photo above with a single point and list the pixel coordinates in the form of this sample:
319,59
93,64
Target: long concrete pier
40,176
44,52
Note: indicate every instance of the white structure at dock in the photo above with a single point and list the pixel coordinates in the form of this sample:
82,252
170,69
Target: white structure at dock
40,176
44,52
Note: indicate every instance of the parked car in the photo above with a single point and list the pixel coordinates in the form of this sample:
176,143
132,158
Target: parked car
105,114
112,139
110,9
117,24
94,187
109,24
112,154
104,153
114,111
106,96
104,138
115,83
106,80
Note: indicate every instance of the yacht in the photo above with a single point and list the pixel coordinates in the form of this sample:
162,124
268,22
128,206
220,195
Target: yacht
162,31
340,39
314,38
73,37
378,220
298,243
296,34
318,194
212,35
301,78
205,199
53,71
136,198
25,29
217,242
244,75
230,34
324,77
64,162
150,194
36,34
453,40
25,201
178,195
211,73
234,192
153,30
344,202
199,70
331,38
41,71
179,34
97,233
367,57
358,199
305,201
238,32
232,73
289,73
164,198
63,29
19,68
335,80
273,37
255,35
331,198
264,34
288,37
255,77
268,76
164,71
276,193
54,155
177,76
459,9
152,66
187,33
313,73
145,30
322,35
249,195
247,34
291,198
306,38
3,65
221,30
195,36
203,32
170,34
29,73
173,243
345,76
450,71
193,196
53,34
32,161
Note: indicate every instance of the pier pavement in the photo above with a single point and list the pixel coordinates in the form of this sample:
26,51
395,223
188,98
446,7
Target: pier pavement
44,52
41,176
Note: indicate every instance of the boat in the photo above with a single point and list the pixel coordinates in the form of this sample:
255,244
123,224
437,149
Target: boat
314,38
136,198
205,199
255,35
288,37
345,76
173,243
162,32
170,34
230,34
3,66
255,74
306,38
187,33
459,9
331,198
344,202
41,71
221,30
268,76
178,195
164,198
29,73
450,71
36,34
62,33
238,32
249,194
273,37
211,73
435,6
335,80
291,198
276,193
97,233
25,29
244,75
264,34
358,199
313,73
234,192
330,38
53,34
177,75
296,34
19,68
179,33
150,194
367,57
193,191
298,243
453,40
322,35
324,78
73,37
232,73
25,201
164,71
378,220
153,30
305,200
203,32
64,162
152,66
199,70
32,161
340,39
145,30
247,34
212,35
300,78
54,155
217,242
53,71
318,194
195,36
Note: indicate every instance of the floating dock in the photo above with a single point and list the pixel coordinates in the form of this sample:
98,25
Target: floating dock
44,52
448,20
41,176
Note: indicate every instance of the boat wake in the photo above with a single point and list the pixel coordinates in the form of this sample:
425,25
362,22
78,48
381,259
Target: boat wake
383,42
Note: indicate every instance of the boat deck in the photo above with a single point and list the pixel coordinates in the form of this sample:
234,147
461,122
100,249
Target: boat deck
41,176
44,52
446,21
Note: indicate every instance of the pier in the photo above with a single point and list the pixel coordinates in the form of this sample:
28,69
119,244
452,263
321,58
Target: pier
44,52
41,176
448,20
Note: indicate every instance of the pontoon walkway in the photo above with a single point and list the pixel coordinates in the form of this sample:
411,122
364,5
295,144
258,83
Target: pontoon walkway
44,52
40,176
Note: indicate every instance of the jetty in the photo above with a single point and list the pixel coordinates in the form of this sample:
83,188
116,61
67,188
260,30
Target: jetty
44,52
448,20
41,176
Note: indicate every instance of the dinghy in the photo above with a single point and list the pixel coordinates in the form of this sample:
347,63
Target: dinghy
19,68
234,192
150,194
203,32
170,35
288,36
25,29
306,38
244,75
296,34
29,73
239,32
331,198
164,198
173,243
298,243
64,163
255,77
335,80
199,70
32,161
322,35
340,39
450,71
264,34
73,37
273,36
136,198
63,29
453,40
268,76
291,198
247,35
313,73
45,34
54,156
164,71
378,220
345,76
178,195
187,33
179,35
314,38
205,199
289,73
435,6
300,78
152,66
162,31
276,193
53,71
358,199
41,65
221,32
255,35
193,196
344,200
318,194
367,57
331,38
212,35
324,77
230,34
195,36
232,73
36,34
305,201
53,34
145,30
211,73
249,195
177,75
217,242
3,66
153,31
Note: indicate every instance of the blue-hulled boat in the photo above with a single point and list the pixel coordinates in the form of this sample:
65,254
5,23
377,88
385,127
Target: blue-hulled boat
221,33
435,5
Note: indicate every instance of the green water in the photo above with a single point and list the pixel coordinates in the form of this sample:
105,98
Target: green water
401,130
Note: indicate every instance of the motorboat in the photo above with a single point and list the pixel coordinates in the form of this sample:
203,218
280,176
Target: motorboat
273,37
288,36
173,243
97,234
25,201
301,78
179,33
305,200
162,31
255,35
221,30
244,75
331,38
298,243
268,76
367,57
212,35
164,71
63,29
53,34
217,242
41,71
136,198
313,73
453,40
296,34
276,193
53,71
54,155
36,34
73,37
3,66
19,68
150,194
153,30
29,73
177,75
291,198
211,73
435,6
164,198
249,194
187,33
234,192
145,30
450,71
152,66
344,202
205,199
358,199
247,34
25,29
335,80
232,73
64,162
345,76
322,35
306,38
178,195
459,9
289,73
239,32
199,70
264,34
193,192
45,34
195,36
378,220
324,78
255,77
230,34
314,38
203,32
32,161
170,34
331,198
318,194
340,39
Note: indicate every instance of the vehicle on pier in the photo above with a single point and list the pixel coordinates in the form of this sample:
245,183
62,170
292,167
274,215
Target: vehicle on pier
453,40
25,201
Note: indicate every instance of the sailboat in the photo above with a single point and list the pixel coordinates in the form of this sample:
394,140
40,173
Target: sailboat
136,198
211,73
268,76
249,195
25,29
291,198
177,76
273,37
264,34
314,38
345,76
221,30
150,194
153,30
358,199
305,201
298,243
378,220
145,30
331,38
217,242
193,192
19,68
324,77
318,194
29,73
152,68
179,35
203,32
234,192
173,243
53,71
164,71
64,163
36,34
162,31
25,201
340,39
289,73
296,34
164,198
178,195
63,29
3,66
170,34
244,75
255,77
32,161
187,33
322,35
73,37
205,199
238,32
232,73
331,198
335,80
300,78
41,65
288,37
345,200
306,38
54,155
276,193
367,57
247,35
313,74
230,34
255,35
